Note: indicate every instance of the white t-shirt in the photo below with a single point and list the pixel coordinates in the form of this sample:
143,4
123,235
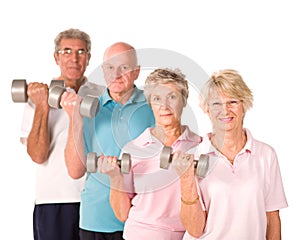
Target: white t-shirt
53,184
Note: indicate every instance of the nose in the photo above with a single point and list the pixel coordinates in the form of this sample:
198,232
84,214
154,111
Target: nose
225,107
116,73
164,103
75,56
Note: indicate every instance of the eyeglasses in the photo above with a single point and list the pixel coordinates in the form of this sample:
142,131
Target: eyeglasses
67,52
232,104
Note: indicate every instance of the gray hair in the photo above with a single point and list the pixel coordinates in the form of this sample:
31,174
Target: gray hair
73,34
164,76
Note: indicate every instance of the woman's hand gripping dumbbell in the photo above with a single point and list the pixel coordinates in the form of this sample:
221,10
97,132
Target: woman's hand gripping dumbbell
201,165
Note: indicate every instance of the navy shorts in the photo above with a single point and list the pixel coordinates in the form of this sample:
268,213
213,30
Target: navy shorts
56,221
89,235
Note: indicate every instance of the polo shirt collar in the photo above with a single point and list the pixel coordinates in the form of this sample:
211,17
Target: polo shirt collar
187,134
206,147
137,96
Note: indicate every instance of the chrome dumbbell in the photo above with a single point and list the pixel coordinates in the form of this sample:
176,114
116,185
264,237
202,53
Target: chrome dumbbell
92,159
201,165
89,105
19,89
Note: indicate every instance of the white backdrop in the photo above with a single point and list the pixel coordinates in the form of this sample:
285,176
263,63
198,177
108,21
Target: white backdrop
258,38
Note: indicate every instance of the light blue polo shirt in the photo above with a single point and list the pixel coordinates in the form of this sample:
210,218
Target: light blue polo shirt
113,127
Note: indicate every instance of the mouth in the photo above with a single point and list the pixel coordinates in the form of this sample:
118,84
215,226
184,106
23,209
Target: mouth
226,120
74,68
166,114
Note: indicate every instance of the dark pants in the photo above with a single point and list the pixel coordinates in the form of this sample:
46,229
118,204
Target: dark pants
88,235
56,221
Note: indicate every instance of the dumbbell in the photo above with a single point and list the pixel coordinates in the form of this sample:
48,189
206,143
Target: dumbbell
89,105
19,89
92,159
201,165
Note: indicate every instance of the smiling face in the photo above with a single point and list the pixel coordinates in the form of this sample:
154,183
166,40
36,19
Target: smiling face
226,113
167,104
72,59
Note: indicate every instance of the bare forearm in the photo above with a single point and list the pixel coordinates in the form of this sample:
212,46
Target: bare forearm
38,141
273,226
74,152
191,213
119,198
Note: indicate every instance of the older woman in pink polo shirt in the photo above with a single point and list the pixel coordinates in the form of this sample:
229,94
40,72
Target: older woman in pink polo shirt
242,192
148,198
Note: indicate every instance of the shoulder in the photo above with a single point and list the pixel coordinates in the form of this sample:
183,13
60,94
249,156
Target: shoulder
137,142
92,89
257,146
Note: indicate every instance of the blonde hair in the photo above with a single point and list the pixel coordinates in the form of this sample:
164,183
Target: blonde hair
230,83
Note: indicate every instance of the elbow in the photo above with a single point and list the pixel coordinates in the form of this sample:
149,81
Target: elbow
75,174
196,233
122,218
121,214
38,158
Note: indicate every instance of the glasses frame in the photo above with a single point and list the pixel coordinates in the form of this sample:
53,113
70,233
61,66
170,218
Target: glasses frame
67,52
231,104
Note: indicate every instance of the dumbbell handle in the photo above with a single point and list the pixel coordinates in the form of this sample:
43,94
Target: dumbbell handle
89,105
92,162
201,165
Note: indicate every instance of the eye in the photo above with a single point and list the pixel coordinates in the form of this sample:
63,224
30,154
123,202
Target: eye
81,52
67,51
216,104
107,67
172,97
233,102
155,99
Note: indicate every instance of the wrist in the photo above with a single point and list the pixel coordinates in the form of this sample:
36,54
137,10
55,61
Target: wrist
188,202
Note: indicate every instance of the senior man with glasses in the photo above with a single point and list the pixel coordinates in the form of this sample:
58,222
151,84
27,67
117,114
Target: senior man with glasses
45,131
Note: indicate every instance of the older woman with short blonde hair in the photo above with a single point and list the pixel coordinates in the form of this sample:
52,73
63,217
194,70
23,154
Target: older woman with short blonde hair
242,191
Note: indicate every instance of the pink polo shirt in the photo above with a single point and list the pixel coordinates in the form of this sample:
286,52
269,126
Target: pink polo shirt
155,211
237,197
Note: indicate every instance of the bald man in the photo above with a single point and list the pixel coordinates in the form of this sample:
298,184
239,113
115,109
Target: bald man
123,115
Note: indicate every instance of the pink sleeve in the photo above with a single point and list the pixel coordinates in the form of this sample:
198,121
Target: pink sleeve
275,196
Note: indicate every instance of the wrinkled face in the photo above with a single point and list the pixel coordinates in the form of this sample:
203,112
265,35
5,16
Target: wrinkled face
167,104
226,113
72,59
120,72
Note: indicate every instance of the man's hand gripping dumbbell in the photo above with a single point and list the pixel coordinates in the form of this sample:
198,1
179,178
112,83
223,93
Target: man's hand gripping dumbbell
88,105
108,164
39,93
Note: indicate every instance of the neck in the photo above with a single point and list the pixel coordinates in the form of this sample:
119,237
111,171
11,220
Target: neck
167,134
121,97
74,84
229,143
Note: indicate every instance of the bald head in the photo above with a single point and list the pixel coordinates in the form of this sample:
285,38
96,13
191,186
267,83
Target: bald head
120,48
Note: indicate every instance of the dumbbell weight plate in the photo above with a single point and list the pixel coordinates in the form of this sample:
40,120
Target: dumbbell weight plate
91,162
19,90
165,157
54,83
89,106
55,96
125,163
202,165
